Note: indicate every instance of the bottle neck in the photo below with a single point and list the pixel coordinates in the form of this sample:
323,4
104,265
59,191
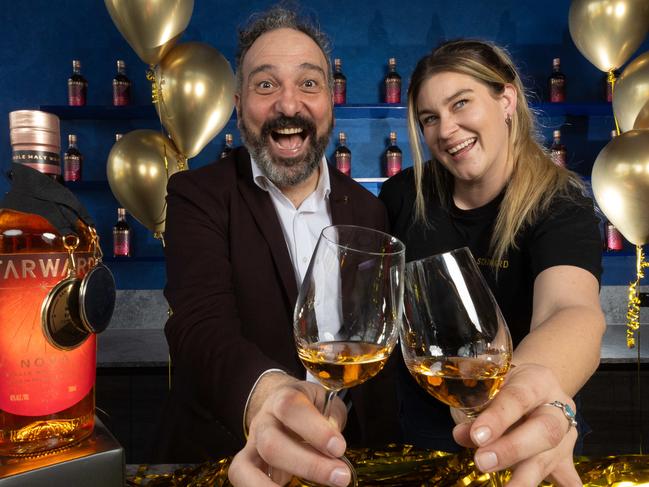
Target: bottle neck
48,163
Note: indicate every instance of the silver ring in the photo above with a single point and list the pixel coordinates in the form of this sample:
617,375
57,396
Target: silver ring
568,412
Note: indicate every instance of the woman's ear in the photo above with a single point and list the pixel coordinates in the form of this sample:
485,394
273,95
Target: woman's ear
509,99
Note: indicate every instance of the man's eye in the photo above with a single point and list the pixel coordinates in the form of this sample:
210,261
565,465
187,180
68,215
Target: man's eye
266,85
310,83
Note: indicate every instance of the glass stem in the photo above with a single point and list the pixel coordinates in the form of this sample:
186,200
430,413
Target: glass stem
326,408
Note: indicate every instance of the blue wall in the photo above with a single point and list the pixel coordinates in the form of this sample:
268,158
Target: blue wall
41,37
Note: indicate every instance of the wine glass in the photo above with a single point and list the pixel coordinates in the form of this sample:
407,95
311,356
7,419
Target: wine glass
349,308
454,339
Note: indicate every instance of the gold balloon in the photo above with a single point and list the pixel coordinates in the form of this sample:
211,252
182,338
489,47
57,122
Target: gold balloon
642,120
631,92
151,27
620,183
195,95
607,32
139,165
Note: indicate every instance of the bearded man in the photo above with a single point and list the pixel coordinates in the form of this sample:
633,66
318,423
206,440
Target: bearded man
240,234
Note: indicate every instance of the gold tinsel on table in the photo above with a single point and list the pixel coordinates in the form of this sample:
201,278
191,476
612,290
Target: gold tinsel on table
399,465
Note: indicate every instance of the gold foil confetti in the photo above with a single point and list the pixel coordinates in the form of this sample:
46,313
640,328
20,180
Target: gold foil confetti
405,466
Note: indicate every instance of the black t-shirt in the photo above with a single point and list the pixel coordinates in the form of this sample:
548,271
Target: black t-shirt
566,234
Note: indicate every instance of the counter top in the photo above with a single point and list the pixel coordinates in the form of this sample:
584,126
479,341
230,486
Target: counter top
138,347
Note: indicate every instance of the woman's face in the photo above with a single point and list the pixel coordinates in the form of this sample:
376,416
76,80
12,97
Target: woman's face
464,127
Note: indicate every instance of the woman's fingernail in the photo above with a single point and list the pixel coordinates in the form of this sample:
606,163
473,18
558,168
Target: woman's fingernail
340,476
486,461
481,435
336,447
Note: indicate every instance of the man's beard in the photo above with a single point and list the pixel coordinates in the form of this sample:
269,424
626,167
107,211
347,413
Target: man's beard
285,171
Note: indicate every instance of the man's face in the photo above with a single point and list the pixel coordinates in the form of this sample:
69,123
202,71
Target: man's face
285,107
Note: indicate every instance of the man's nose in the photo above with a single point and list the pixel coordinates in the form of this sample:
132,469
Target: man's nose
289,101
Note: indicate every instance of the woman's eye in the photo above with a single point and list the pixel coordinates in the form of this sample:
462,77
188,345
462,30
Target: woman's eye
460,103
428,120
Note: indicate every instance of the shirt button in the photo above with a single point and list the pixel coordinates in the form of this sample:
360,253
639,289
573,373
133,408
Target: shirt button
304,259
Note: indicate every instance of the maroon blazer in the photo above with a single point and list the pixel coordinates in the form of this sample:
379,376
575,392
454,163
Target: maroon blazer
231,288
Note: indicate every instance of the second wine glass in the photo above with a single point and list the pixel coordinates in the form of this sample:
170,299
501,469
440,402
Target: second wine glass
454,339
349,308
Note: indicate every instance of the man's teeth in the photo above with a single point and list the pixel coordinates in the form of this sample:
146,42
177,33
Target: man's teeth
461,146
289,131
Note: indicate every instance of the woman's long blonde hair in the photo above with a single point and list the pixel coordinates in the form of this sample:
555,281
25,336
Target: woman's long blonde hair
535,179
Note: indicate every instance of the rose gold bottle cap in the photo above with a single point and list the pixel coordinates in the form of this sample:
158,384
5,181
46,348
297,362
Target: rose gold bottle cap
34,130
556,134
392,61
556,61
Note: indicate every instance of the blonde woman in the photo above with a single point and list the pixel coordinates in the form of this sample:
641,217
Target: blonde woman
490,186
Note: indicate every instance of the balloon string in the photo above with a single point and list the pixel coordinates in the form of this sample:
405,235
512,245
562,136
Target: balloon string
633,308
611,81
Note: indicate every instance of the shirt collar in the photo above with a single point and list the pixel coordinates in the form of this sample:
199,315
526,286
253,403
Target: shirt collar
322,190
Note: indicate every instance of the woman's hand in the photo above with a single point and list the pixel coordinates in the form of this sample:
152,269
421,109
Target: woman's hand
521,431
289,436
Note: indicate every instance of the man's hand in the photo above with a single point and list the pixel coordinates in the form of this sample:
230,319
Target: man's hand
288,436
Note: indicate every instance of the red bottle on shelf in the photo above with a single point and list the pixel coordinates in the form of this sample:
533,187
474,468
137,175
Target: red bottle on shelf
392,82
121,235
121,86
558,150
393,157
72,161
557,83
343,155
340,84
77,86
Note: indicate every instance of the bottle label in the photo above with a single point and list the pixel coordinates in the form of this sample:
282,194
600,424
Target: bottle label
72,168
558,156
344,163
393,164
45,162
614,241
121,243
36,378
121,93
393,91
557,90
77,93
340,91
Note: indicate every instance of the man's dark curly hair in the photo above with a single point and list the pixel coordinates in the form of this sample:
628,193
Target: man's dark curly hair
279,17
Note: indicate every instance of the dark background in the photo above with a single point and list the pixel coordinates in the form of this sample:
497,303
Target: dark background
39,39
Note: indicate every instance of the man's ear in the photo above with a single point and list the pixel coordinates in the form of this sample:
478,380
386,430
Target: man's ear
237,107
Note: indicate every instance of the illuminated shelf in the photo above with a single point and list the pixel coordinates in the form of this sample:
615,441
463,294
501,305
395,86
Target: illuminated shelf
348,111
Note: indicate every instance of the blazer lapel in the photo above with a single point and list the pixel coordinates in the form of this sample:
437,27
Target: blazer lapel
342,210
265,216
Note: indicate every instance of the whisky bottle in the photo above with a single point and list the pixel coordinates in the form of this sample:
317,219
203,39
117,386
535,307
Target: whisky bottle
557,83
227,145
46,392
393,156
392,83
121,235
121,86
72,161
557,149
77,86
340,84
343,155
